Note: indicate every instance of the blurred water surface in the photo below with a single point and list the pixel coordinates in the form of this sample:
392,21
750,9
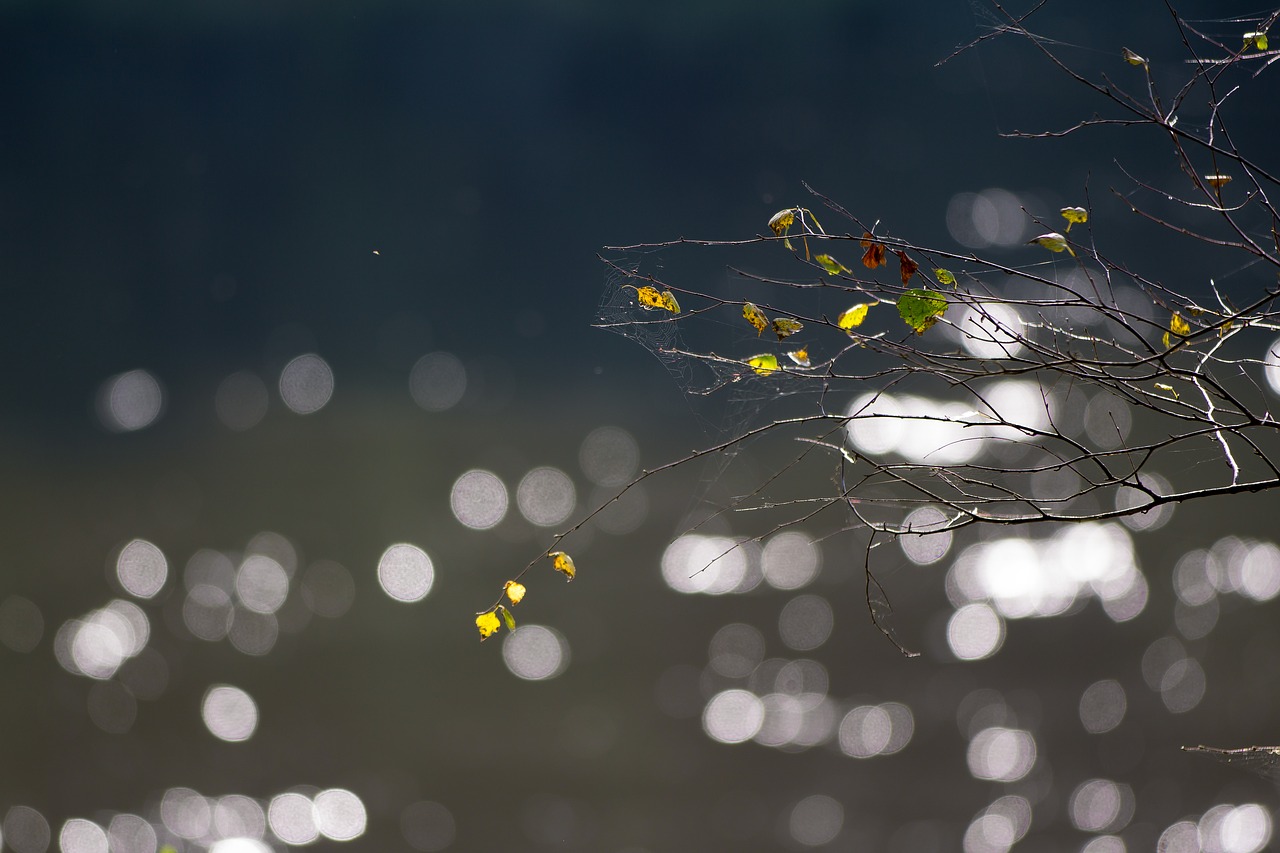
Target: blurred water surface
298,372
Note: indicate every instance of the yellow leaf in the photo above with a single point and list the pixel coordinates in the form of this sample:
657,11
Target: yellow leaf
507,617
785,327
669,302
1132,58
851,318
800,357
781,222
1217,181
945,277
1074,216
1257,40
488,624
649,297
831,265
515,591
1053,241
563,563
1160,386
755,317
764,364
1177,326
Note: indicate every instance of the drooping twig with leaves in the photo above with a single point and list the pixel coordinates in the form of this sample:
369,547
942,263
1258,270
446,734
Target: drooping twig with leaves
1066,387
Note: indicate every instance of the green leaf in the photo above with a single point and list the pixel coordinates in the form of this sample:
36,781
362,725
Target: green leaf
831,265
945,277
764,364
920,309
507,617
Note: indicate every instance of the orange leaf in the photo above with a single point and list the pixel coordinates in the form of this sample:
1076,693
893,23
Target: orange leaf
874,256
906,267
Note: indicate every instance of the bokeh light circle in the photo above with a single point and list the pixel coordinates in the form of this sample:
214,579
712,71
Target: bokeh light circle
428,826
405,572
229,713
82,836
479,499
306,384
292,818
438,381
609,456
141,569
241,401
535,652
130,401
733,716
340,815
816,820
546,496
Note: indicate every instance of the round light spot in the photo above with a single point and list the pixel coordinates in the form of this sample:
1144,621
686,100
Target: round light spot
292,818
253,633
1129,498
1238,829
1260,572
306,384
865,731
82,836
130,401
185,813
428,826
438,381
21,624
479,499
340,815
923,547
1108,844
546,496
609,456
733,716
141,568
241,401
207,612
1102,706
535,652
790,560
1001,755
736,650
991,330
805,622
974,632
406,573
262,585
26,830
1100,805
328,589
708,564
229,713
816,820
236,815
625,513
129,833
1107,420
1271,366
1182,686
